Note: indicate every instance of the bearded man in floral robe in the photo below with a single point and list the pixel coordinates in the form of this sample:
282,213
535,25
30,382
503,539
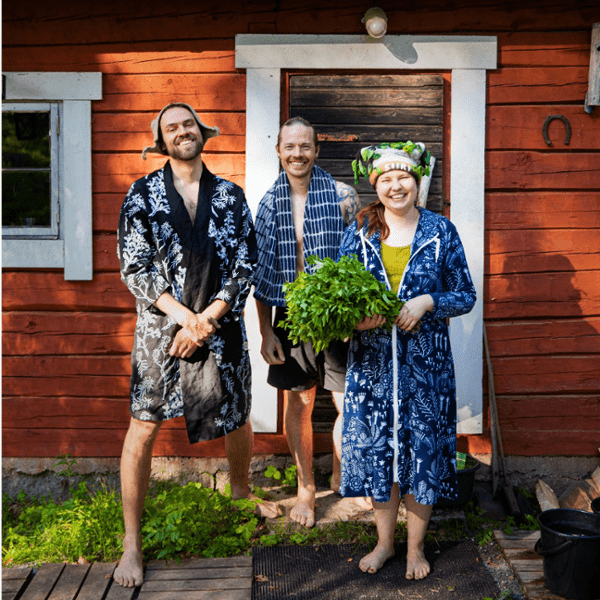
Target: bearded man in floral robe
187,250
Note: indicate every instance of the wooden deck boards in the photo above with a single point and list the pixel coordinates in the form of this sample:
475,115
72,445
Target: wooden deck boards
518,549
191,579
213,578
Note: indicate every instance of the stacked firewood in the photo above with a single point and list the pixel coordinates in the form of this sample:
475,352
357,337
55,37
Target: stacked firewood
578,495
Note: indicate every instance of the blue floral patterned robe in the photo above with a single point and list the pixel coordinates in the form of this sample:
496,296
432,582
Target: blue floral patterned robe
214,258
399,421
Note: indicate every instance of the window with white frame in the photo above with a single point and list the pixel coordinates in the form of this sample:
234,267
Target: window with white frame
30,170
46,171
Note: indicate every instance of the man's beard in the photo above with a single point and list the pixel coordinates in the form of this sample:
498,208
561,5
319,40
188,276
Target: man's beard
187,153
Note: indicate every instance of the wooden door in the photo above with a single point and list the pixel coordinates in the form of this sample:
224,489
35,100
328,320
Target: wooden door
353,111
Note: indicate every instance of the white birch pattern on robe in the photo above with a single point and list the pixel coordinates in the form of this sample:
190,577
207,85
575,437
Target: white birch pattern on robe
425,436
160,250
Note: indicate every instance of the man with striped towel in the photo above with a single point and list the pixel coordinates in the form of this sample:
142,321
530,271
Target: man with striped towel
304,213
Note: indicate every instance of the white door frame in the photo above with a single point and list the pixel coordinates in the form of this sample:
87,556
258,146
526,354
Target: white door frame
468,58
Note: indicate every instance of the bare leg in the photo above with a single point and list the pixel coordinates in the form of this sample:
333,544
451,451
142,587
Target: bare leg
238,448
417,520
298,428
386,516
336,476
136,464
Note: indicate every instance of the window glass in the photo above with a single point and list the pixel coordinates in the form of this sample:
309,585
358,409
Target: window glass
26,169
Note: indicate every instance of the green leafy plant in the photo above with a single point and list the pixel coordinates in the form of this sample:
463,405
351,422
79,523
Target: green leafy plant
85,525
67,461
188,520
327,304
289,477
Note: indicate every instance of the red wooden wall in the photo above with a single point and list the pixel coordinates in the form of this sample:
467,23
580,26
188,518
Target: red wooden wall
66,344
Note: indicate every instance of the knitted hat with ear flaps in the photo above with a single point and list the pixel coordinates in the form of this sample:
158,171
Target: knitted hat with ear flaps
408,156
207,131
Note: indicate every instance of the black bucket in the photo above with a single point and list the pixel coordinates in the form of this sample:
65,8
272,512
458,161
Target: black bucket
466,479
570,545
596,505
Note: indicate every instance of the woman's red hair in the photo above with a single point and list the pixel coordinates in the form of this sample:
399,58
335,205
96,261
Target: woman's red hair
373,214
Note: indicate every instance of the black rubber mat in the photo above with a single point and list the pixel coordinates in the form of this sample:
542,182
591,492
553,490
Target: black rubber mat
331,572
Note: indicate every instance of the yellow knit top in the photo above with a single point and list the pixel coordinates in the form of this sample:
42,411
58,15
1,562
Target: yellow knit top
394,262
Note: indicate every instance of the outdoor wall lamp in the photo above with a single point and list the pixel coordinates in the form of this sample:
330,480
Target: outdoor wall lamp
375,21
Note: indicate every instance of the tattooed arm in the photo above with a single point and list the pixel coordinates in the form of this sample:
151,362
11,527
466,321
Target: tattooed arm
349,201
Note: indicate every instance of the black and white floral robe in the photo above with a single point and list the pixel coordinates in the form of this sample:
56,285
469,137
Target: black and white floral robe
160,250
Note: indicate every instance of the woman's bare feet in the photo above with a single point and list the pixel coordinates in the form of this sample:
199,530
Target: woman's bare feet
417,566
130,572
371,563
304,510
265,508
363,503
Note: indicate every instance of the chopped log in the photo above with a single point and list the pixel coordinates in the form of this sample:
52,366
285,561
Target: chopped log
592,489
576,497
546,496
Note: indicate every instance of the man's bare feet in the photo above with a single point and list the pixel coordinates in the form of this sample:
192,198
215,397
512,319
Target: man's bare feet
130,572
265,508
304,510
417,566
371,563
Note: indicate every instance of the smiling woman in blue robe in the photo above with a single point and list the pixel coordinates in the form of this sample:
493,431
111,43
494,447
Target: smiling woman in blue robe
399,422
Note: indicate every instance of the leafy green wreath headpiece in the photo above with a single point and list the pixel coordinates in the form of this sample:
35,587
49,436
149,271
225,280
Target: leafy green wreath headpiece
409,156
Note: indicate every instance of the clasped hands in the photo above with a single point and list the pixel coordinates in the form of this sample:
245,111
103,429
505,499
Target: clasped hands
195,330
408,318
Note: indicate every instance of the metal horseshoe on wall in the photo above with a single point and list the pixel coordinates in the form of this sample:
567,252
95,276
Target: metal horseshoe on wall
567,125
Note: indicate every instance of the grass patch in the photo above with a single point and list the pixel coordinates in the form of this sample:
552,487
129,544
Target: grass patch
178,521
183,520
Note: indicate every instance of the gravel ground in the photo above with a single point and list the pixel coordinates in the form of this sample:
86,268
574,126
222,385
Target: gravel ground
501,571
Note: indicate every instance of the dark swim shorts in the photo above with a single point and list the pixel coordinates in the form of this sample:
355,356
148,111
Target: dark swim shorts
303,367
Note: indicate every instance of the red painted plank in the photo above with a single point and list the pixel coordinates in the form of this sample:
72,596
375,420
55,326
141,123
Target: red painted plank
147,92
537,170
65,366
130,132
547,48
542,210
549,443
105,252
49,443
168,57
34,333
57,384
537,85
122,22
542,295
544,49
105,211
26,23
520,128
543,337
109,443
547,374
546,250
66,413
48,290
545,412
116,172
